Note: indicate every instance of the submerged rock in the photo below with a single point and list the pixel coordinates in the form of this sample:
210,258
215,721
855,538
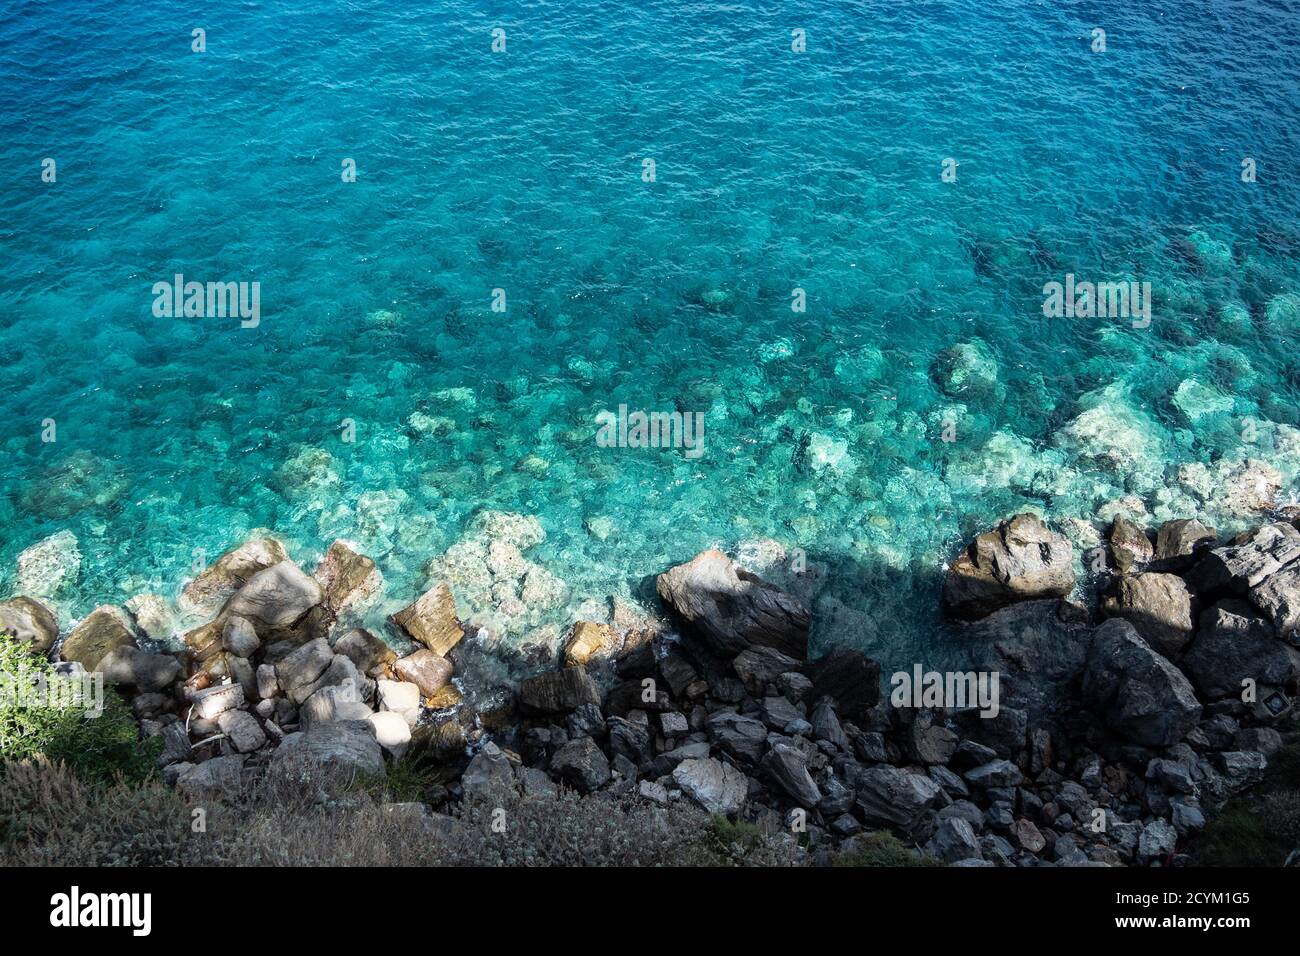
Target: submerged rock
49,566
1019,560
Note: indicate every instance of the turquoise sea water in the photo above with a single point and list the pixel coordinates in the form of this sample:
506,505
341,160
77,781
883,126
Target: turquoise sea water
523,171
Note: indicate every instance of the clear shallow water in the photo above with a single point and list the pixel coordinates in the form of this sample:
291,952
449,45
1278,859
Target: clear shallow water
522,171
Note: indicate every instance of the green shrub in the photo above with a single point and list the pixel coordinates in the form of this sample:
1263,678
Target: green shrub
881,848
95,747
1259,827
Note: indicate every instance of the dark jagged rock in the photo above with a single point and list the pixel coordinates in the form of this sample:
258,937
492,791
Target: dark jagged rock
1139,693
848,676
1180,542
557,692
1037,652
1129,546
788,770
1019,560
730,609
1235,644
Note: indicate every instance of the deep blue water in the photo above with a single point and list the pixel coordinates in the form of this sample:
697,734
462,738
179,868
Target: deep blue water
523,171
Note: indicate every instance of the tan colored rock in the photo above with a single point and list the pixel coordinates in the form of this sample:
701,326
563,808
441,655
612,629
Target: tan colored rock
432,620
31,621
347,577
429,671
1019,560
591,641
106,628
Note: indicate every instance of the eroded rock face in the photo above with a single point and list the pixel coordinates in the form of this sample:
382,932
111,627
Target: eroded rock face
1019,560
1278,597
432,620
1160,608
105,629
730,610
1235,644
31,621
1136,691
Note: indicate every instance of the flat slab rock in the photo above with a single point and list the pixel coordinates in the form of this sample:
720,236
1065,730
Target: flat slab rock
347,746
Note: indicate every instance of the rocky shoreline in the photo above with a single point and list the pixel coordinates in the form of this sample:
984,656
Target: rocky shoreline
1130,706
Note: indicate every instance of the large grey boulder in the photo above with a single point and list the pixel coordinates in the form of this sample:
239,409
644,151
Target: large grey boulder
104,629
31,621
1037,650
130,666
581,764
738,736
716,786
212,586
1138,693
335,702
304,666
954,841
1278,597
242,730
1180,542
216,779
489,773
1159,606
895,796
1019,560
1235,644
730,610
346,746
759,666
275,599
788,770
